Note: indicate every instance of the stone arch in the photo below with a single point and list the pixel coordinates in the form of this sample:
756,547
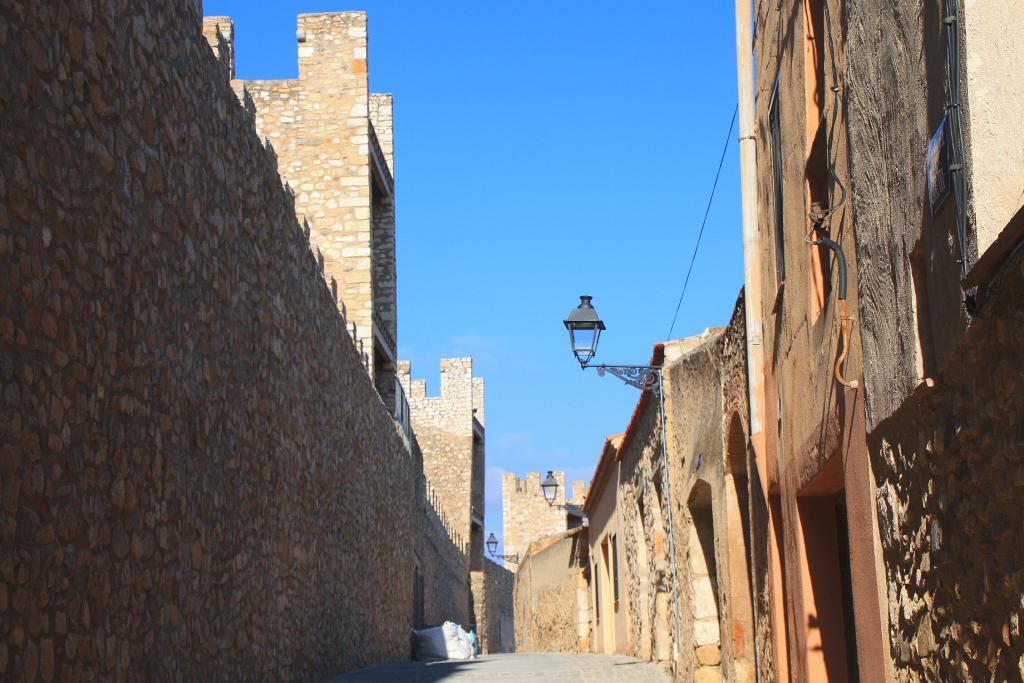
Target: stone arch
738,621
703,573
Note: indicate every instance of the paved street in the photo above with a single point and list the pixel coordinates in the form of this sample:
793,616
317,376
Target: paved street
513,668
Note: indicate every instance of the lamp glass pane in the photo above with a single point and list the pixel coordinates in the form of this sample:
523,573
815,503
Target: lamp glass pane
583,340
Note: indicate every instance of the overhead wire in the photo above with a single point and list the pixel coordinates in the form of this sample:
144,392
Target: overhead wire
707,210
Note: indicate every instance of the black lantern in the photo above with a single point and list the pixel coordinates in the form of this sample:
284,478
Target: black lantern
492,544
550,488
584,325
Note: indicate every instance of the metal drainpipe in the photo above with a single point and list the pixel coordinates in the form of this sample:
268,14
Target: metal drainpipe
752,259
668,520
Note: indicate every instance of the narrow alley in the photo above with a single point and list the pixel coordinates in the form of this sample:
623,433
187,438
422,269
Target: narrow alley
228,454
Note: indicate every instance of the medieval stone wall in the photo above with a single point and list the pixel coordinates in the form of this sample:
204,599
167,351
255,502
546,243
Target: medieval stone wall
492,603
642,507
946,463
442,564
546,596
189,435
949,466
444,427
320,126
527,515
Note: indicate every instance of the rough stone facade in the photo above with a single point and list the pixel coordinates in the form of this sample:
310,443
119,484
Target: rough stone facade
552,608
699,506
817,492
492,601
528,516
334,142
942,359
441,590
706,416
188,430
449,430
950,471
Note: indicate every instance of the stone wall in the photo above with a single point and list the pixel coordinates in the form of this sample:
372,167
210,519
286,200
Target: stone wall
642,506
188,434
442,565
699,507
949,466
451,441
527,515
492,602
942,379
547,594
320,126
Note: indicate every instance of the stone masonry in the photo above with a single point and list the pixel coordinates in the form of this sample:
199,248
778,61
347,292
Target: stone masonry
950,471
527,515
199,480
451,437
335,147
492,592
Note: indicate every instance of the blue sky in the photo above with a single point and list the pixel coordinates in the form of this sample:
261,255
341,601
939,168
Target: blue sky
544,150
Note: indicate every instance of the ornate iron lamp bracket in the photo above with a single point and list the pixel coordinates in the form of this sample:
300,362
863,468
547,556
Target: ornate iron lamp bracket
642,377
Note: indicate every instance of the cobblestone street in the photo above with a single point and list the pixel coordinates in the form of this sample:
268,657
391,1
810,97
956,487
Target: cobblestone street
512,668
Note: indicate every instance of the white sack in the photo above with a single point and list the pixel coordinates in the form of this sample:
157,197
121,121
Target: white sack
429,643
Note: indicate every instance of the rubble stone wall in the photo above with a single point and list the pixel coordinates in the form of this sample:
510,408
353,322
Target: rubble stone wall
444,429
199,480
320,127
443,563
648,570
546,596
492,602
949,466
527,515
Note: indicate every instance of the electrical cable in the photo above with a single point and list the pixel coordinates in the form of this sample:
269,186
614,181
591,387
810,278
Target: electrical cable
956,142
707,210
822,222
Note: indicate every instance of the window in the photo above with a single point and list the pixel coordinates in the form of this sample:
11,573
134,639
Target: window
615,569
776,132
597,593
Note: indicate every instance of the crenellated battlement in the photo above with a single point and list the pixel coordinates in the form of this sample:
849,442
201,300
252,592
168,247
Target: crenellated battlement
527,514
451,437
220,34
334,146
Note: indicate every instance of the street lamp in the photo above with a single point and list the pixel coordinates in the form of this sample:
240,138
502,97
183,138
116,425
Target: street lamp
550,488
585,326
492,547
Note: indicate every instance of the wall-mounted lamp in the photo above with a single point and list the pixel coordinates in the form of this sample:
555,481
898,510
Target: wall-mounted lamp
492,547
550,488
